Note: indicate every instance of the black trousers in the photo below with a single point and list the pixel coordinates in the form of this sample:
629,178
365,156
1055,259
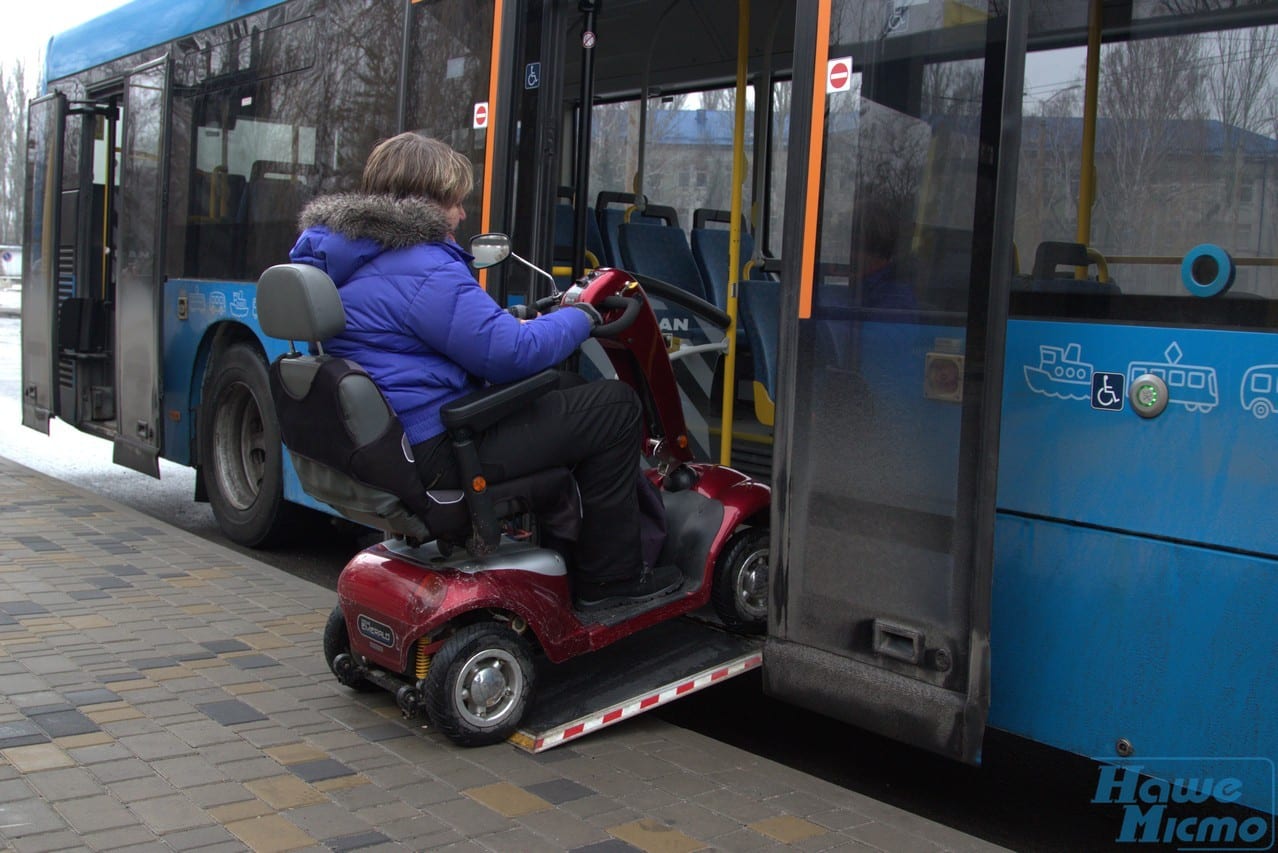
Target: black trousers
592,429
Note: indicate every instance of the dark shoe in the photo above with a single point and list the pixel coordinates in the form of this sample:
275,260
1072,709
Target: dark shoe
651,583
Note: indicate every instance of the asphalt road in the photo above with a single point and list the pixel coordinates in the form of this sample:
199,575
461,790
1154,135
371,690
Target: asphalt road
1024,797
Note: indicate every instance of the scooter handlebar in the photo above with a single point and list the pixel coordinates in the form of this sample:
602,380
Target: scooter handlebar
630,311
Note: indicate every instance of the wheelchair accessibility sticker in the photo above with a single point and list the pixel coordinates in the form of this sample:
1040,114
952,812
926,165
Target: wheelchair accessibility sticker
1107,391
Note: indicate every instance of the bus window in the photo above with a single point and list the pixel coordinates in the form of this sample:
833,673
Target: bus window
251,174
258,130
1184,154
687,153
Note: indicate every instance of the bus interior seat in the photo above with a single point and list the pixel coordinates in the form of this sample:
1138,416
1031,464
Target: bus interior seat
273,199
1053,254
661,252
564,221
359,466
213,224
941,265
760,308
710,249
611,208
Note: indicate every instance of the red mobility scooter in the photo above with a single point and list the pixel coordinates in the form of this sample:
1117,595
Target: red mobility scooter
450,613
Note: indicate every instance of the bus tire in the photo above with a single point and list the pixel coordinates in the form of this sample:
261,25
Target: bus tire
480,683
740,590
240,450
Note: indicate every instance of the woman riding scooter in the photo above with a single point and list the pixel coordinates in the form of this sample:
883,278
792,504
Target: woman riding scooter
427,334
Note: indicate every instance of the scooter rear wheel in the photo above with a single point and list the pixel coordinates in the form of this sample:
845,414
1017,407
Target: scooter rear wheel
338,642
480,683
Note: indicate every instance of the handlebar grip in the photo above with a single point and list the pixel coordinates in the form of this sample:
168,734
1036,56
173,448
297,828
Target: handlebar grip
631,308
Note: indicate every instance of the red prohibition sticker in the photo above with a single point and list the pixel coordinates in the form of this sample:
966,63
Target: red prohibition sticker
588,39
838,75
481,116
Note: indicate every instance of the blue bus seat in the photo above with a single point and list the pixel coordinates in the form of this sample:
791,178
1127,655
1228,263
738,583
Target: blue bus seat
710,248
273,199
661,252
563,236
760,314
1052,254
611,207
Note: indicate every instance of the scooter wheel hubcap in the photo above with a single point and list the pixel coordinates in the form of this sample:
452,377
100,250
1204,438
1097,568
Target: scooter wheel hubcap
488,688
752,584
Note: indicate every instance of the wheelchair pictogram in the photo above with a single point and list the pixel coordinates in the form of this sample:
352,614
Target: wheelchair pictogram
1107,391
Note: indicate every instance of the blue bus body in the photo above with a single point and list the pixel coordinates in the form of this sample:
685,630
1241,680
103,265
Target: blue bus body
193,311
1134,567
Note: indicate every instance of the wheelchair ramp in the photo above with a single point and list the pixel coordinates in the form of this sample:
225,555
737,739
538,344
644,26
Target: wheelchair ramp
644,671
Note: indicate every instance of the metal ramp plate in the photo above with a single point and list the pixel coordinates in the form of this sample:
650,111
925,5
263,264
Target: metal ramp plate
641,672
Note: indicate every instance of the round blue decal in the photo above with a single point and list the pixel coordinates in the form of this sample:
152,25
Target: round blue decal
1207,270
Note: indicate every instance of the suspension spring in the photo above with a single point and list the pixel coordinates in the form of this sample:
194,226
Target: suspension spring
422,668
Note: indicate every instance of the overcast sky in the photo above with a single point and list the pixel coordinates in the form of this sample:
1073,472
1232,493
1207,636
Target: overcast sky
26,25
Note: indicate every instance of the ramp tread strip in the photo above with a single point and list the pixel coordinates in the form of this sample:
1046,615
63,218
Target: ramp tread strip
615,714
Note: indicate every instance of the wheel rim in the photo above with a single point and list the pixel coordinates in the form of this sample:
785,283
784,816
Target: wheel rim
488,688
751,587
239,442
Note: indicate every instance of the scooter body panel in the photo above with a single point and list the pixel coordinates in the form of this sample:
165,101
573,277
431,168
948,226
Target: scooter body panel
392,595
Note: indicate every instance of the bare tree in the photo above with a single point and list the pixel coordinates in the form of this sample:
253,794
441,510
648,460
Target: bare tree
14,91
1152,106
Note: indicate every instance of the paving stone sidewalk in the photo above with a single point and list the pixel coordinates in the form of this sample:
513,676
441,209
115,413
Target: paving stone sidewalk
163,693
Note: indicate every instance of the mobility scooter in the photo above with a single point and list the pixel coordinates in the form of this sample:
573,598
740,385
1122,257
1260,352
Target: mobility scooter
450,612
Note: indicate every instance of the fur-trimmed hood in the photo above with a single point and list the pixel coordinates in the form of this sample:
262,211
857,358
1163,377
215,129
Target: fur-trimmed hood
345,233
393,223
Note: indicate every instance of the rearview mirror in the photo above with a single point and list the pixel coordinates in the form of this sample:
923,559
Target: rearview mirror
489,250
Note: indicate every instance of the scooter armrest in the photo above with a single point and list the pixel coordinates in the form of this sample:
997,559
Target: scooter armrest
477,412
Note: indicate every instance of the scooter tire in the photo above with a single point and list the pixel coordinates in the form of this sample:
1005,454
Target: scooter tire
337,642
480,683
740,590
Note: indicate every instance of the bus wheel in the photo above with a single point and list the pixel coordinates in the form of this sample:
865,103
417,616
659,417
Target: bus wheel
240,450
480,683
337,642
740,591
1261,409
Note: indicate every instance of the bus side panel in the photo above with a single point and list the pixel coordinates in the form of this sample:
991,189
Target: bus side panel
1200,471
1101,636
191,311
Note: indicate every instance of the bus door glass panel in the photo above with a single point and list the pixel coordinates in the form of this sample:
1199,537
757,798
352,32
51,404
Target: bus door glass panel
877,575
137,268
40,249
448,80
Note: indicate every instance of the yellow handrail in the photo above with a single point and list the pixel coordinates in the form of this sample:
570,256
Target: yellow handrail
734,228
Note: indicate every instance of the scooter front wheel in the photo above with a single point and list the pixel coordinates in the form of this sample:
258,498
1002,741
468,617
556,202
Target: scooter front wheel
480,683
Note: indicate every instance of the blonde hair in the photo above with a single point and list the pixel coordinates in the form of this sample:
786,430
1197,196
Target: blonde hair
410,165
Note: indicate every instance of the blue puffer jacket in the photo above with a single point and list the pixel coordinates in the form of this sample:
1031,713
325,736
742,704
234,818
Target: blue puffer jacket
416,319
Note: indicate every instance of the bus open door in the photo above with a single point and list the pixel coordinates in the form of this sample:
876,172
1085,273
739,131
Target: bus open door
887,422
41,247
137,267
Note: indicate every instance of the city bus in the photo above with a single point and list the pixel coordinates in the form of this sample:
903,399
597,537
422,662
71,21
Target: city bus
954,241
